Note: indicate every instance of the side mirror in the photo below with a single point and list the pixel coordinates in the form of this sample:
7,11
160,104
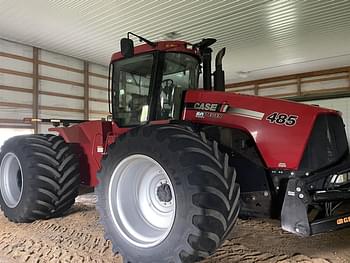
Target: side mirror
127,47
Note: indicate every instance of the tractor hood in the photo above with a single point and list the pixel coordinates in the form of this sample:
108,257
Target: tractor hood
282,130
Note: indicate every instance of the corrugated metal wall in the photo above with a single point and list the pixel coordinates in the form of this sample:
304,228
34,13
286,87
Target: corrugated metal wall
57,86
308,84
43,84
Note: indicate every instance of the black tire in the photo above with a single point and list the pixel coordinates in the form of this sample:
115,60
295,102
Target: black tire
206,194
50,177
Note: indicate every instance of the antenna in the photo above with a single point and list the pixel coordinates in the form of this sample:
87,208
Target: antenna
142,39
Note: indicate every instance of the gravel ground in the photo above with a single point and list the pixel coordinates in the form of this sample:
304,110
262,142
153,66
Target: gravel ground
77,237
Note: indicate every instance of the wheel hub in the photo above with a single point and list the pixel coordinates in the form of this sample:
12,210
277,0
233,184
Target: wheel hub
164,193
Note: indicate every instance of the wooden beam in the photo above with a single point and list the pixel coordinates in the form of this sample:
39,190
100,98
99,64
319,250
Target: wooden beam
73,83
322,96
15,105
53,65
56,94
36,87
299,86
256,89
98,75
86,90
320,91
98,88
289,77
98,100
13,56
11,88
278,85
284,95
100,112
52,108
324,79
12,121
239,90
16,73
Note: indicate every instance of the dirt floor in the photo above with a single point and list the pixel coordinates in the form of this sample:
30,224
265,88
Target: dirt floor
77,237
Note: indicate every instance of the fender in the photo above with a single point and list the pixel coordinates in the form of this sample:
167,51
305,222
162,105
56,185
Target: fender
91,139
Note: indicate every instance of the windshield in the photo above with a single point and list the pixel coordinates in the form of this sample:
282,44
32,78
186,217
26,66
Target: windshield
131,88
135,83
180,72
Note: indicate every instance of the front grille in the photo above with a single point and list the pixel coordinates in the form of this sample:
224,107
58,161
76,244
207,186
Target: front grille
327,143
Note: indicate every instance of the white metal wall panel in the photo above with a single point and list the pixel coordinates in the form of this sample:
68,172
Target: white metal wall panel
61,74
285,88
17,97
15,105
15,113
61,59
61,107
16,48
61,95
98,94
96,107
341,104
95,116
14,64
99,69
60,114
96,81
54,101
99,106
15,81
67,89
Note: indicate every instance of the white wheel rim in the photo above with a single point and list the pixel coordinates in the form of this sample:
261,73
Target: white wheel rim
11,180
139,210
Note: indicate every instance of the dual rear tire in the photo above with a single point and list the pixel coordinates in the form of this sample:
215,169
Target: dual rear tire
39,177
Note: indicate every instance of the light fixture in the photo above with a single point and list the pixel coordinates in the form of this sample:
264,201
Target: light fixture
172,35
243,74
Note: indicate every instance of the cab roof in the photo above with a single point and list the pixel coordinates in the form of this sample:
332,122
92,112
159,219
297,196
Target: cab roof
167,46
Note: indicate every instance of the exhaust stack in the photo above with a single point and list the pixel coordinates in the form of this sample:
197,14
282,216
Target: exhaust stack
219,74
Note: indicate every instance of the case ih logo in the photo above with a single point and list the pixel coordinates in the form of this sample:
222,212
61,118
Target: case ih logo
218,110
344,220
214,107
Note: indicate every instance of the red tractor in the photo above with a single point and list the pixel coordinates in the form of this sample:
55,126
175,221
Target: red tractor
177,164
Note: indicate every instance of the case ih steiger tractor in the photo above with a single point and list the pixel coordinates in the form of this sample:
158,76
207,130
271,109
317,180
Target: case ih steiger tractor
177,164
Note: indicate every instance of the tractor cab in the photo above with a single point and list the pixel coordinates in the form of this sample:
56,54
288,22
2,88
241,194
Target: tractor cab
149,81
